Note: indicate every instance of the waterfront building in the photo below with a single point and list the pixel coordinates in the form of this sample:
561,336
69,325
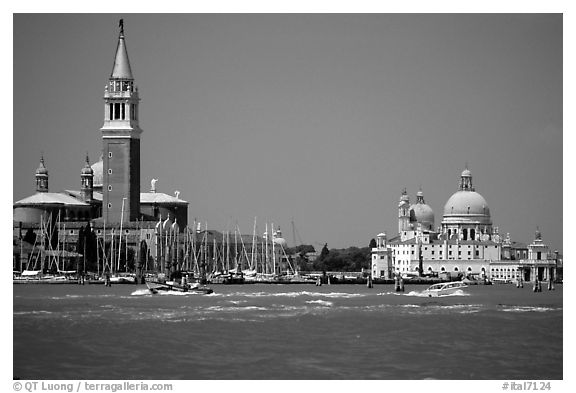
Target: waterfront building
381,264
110,200
465,244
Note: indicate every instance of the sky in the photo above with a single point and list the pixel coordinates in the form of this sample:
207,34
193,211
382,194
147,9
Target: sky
316,120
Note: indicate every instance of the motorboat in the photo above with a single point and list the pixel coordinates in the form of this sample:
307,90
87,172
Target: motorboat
444,288
156,286
123,279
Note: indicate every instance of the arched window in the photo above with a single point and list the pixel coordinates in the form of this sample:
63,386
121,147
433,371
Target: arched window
455,268
469,269
442,269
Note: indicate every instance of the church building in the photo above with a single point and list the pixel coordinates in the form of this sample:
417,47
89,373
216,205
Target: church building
110,198
465,244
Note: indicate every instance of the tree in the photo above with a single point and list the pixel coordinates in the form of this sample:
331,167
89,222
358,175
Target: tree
302,249
86,245
324,253
372,243
30,236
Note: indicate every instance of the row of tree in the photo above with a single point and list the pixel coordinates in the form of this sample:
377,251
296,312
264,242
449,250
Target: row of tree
351,259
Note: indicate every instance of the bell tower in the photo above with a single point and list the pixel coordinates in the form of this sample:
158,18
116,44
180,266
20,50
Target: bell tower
403,212
42,177
87,187
121,141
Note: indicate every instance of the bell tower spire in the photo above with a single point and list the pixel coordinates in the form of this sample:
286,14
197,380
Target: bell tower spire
42,176
121,140
403,212
87,187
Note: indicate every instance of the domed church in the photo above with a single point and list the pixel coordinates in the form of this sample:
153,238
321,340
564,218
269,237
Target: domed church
466,213
466,243
110,188
110,197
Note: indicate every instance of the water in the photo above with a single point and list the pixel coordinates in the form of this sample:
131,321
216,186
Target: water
286,332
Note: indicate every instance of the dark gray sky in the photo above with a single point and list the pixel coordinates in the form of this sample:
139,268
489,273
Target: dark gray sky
319,119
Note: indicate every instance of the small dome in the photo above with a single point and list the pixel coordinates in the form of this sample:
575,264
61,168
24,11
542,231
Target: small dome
423,214
280,241
404,197
466,173
87,170
98,172
42,168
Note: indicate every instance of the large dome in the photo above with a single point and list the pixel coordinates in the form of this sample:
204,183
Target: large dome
98,170
467,203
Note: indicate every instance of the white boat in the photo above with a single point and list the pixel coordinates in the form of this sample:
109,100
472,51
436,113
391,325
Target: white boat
444,288
123,279
155,286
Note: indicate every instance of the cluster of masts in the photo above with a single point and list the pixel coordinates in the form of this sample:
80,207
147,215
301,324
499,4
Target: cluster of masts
196,249
210,252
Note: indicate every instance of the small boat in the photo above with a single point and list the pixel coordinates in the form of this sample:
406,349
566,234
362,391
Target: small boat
157,286
444,288
123,279
501,281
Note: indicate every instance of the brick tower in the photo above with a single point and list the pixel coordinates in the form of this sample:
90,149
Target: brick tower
121,142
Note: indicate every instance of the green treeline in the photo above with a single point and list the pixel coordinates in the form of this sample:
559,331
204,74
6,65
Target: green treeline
351,259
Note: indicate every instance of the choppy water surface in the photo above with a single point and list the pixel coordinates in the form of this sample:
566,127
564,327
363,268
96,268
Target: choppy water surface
286,332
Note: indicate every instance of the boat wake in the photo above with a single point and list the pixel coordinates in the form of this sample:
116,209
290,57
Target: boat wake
513,308
342,295
320,302
458,292
146,292
141,292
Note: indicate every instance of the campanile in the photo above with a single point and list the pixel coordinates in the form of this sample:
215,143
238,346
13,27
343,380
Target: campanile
121,141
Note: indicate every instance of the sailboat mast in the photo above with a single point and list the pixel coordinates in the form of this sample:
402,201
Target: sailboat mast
64,247
112,264
266,247
104,256
214,253
120,234
227,250
205,244
253,241
97,258
126,248
235,248
273,250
